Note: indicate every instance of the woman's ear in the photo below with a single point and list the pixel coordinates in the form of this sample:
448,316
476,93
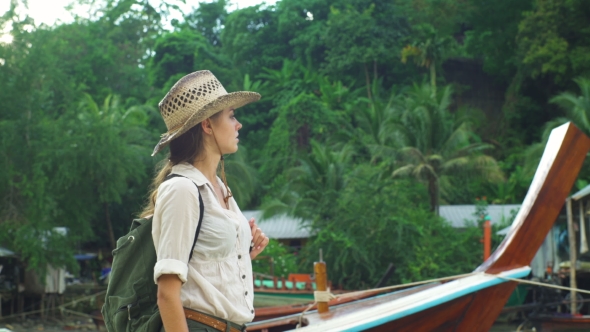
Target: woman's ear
206,124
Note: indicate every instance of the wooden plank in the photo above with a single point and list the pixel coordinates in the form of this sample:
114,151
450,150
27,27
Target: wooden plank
340,307
487,305
442,318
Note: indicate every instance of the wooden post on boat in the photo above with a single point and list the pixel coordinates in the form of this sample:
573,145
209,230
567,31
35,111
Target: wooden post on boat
487,238
583,239
321,282
573,254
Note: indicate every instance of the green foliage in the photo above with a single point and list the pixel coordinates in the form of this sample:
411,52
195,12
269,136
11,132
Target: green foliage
303,24
491,37
250,38
513,189
428,50
40,246
362,36
374,125
208,20
276,260
481,215
577,110
184,51
299,121
63,164
433,146
242,178
576,107
377,220
552,40
313,185
445,16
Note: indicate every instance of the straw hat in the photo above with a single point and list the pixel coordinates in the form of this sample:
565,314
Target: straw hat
194,98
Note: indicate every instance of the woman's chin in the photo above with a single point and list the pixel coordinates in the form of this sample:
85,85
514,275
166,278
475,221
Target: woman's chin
233,150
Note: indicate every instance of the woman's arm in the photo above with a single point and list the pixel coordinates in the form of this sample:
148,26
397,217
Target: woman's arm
176,217
169,303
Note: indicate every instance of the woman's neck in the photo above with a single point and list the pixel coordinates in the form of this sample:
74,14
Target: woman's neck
208,165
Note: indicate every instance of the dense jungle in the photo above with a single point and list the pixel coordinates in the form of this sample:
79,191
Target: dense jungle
373,114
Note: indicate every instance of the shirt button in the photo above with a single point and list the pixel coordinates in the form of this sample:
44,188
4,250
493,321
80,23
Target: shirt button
243,276
239,256
252,311
246,293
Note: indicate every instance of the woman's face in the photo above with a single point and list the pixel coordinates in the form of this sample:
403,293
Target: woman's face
225,127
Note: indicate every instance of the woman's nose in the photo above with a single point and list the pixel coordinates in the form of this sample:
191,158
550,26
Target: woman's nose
239,126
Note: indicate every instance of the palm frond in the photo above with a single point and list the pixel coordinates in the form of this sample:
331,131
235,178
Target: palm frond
403,171
412,153
424,171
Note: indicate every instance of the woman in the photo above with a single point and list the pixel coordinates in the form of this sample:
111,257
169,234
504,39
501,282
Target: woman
215,288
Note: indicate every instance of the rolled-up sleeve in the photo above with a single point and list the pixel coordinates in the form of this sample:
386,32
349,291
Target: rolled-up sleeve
174,226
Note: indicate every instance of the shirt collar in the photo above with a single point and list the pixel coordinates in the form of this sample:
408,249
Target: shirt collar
191,172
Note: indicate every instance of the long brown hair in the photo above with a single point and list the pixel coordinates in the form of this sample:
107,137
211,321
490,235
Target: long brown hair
186,148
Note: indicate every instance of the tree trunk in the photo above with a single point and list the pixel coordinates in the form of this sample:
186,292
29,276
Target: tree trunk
433,192
109,226
368,82
433,78
374,69
303,136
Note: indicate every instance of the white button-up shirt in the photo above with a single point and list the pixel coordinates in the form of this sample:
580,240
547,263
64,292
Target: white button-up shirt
218,278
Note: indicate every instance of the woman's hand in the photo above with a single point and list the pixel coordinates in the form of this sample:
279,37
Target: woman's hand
259,240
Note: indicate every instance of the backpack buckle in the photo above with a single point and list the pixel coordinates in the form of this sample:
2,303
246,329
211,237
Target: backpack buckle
129,311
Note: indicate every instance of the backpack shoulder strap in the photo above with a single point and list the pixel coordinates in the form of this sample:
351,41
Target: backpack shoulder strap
201,212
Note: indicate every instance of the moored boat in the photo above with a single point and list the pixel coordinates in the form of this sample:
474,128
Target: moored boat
473,302
561,322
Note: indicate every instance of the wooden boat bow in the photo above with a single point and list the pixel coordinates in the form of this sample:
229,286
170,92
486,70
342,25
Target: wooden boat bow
558,169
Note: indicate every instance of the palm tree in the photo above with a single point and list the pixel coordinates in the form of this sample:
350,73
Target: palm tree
433,146
241,177
314,185
291,80
370,128
577,110
576,107
428,50
375,122
108,146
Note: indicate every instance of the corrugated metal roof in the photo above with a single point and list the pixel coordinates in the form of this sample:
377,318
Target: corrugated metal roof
286,227
457,215
280,226
581,194
6,253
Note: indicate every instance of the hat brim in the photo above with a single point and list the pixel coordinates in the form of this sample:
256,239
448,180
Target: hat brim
231,100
